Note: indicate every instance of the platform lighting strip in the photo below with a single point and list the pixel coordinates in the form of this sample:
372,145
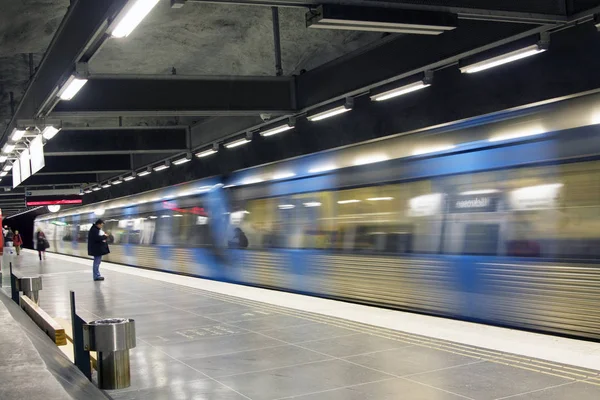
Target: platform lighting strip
17,134
183,160
96,188
49,132
7,167
117,182
132,17
503,59
236,143
276,130
8,148
390,94
329,113
144,173
348,201
129,178
3,159
206,153
3,174
71,87
106,186
161,167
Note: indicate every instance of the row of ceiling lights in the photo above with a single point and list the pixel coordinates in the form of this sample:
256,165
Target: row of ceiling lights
331,112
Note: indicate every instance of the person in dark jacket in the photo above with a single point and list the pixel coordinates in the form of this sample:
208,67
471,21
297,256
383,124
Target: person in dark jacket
41,244
97,246
239,240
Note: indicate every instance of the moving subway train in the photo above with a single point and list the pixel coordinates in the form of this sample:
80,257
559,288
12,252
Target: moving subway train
494,220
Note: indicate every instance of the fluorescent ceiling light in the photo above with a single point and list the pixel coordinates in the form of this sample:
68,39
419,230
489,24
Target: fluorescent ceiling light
3,159
49,132
380,198
503,59
99,212
323,168
283,175
379,20
106,186
251,181
286,206
519,134
116,182
375,158
132,17
183,160
206,153
312,204
400,91
161,167
476,192
129,178
153,217
71,87
144,173
329,113
17,134
178,215
95,189
87,191
7,167
3,174
237,143
434,149
276,130
54,208
8,148
348,201
165,216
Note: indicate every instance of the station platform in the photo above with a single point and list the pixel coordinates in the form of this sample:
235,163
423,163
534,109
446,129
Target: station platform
200,339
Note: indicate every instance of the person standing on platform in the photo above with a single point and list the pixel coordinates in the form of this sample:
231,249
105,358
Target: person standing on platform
41,244
18,241
97,247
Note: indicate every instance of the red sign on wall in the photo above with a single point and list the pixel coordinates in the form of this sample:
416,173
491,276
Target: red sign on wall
53,202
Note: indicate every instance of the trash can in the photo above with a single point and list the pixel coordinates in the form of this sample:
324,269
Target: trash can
31,286
111,339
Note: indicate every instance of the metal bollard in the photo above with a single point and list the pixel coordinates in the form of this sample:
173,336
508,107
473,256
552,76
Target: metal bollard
31,286
111,339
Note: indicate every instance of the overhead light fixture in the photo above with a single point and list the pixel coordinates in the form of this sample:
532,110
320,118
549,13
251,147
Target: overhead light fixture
106,186
390,94
251,181
153,217
17,134
7,167
8,148
131,16
283,175
162,167
375,158
312,204
208,152
276,130
87,191
49,132
145,172
238,142
165,216
380,198
99,212
71,87
3,159
130,177
286,206
380,20
329,113
116,182
322,168
348,201
477,192
433,149
54,208
504,58
3,174
534,131
183,160
96,188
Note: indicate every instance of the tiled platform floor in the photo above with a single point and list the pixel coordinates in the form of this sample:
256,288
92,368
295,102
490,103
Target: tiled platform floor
195,344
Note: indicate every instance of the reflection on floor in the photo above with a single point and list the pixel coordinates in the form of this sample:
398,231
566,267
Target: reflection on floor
195,344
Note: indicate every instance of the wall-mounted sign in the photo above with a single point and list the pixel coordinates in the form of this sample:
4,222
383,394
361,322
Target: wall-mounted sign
36,154
474,203
535,197
25,165
53,202
422,206
16,174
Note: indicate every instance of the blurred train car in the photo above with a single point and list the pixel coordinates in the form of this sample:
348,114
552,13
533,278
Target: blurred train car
495,220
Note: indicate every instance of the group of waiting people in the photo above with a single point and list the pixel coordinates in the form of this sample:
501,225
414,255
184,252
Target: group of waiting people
15,239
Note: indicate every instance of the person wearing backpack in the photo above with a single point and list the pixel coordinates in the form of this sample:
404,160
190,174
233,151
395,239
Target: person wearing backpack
41,244
97,247
239,240
18,242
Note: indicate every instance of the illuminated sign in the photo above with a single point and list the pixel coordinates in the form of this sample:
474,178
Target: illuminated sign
53,202
169,205
474,203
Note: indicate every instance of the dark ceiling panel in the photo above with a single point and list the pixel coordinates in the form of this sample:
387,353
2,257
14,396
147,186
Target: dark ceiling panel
174,96
527,6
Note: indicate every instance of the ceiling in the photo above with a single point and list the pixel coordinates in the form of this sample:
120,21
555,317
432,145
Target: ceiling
189,77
